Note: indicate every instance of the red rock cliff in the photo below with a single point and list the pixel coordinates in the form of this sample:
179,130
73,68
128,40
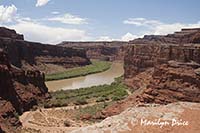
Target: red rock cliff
173,75
19,91
139,57
7,33
172,82
30,55
100,50
160,73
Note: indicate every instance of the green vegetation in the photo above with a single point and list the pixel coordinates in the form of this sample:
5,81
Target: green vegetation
91,110
103,93
95,67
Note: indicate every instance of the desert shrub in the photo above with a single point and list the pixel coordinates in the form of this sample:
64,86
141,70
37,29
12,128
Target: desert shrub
67,123
102,99
80,101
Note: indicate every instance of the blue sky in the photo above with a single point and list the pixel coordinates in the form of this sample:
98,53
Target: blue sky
53,21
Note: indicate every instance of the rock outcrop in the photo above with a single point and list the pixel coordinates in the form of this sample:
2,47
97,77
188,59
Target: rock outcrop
172,118
178,117
19,91
173,77
139,57
100,50
173,82
7,33
37,56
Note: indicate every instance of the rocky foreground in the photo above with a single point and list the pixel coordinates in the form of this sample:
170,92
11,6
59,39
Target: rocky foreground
176,117
181,117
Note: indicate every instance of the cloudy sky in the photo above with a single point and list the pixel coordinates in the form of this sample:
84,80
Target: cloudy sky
53,21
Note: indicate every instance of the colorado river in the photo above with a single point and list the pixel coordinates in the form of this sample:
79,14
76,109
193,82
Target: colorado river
106,77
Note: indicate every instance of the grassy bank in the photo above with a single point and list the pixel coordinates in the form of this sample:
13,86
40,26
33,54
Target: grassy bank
95,67
96,94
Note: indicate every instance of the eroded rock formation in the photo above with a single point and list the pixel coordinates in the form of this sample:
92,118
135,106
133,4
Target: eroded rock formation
173,77
7,33
160,73
100,50
173,82
139,57
19,91
37,56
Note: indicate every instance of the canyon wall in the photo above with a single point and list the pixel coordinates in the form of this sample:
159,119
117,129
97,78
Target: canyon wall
139,57
19,91
159,73
152,50
116,50
8,33
100,50
30,55
173,68
173,82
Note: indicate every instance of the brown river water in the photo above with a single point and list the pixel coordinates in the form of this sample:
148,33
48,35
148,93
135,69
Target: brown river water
102,78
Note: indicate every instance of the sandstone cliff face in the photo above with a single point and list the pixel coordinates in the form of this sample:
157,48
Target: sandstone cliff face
19,91
158,82
100,50
30,55
160,73
173,82
139,57
174,66
7,33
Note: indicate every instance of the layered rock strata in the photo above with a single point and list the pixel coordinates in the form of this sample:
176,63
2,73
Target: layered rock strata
37,56
19,91
100,50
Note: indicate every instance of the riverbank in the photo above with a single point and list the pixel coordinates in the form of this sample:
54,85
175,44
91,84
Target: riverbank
95,67
103,93
106,77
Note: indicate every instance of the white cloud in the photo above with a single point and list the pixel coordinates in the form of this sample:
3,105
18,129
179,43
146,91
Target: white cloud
164,29
156,27
69,19
55,12
104,38
38,32
128,36
33,30
41,2
141,22
7,13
